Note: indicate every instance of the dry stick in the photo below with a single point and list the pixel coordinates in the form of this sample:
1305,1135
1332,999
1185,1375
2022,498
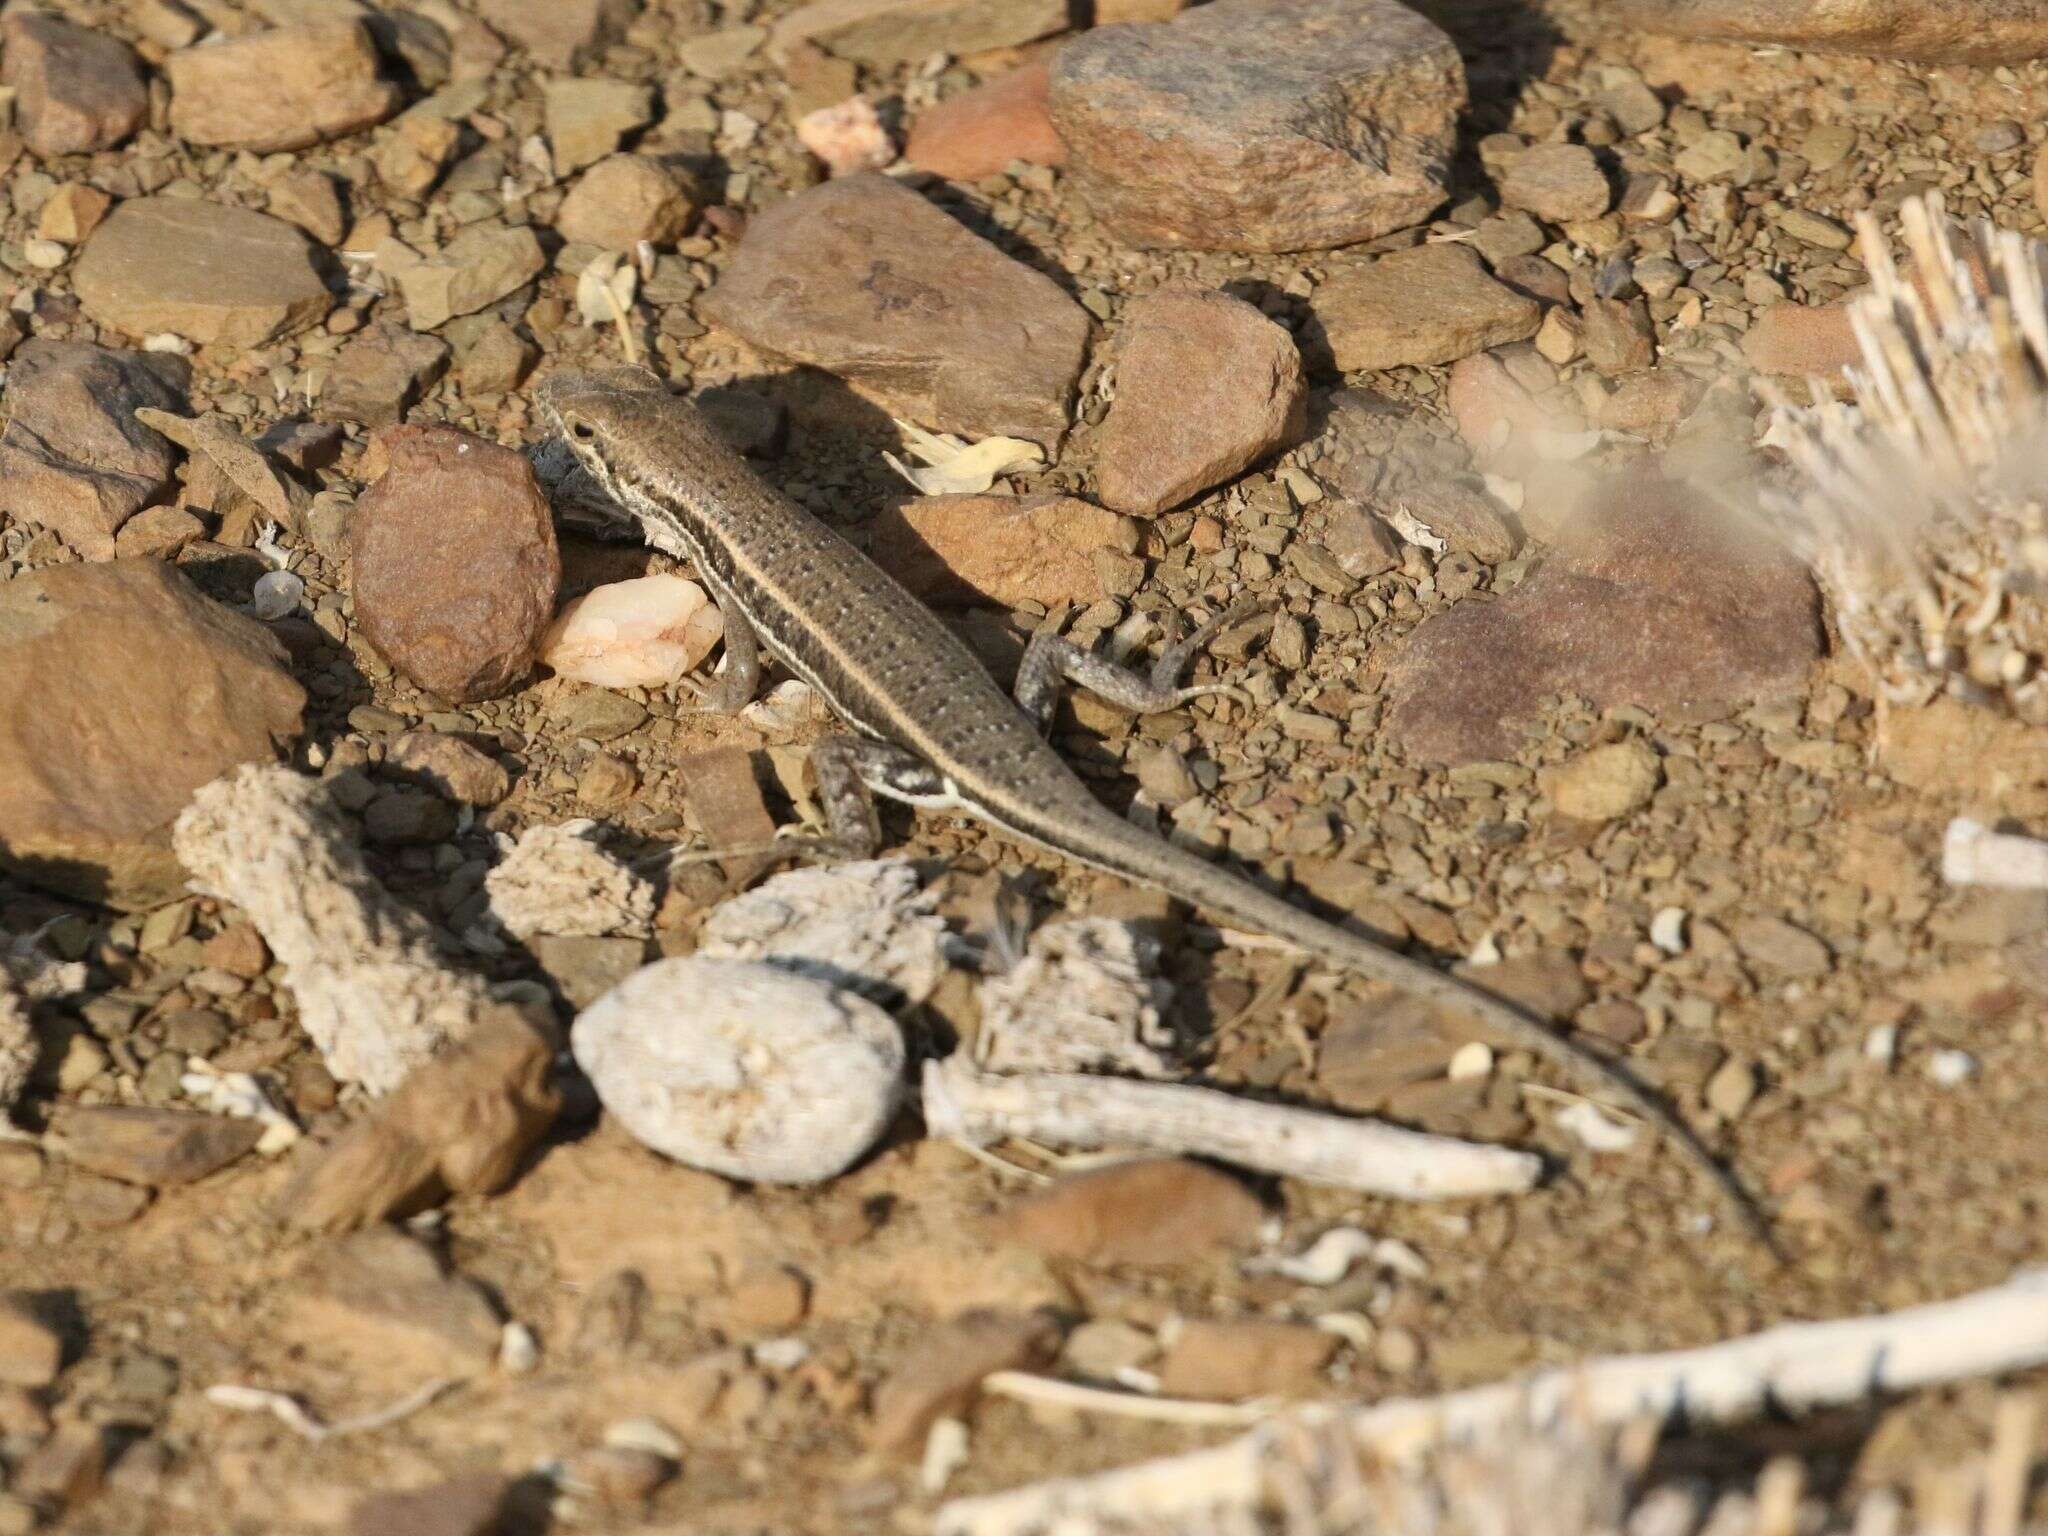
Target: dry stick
1798,1365
1076,1110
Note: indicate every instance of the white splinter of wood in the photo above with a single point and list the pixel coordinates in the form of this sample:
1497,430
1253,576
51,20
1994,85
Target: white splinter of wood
1072,1110
1973,854
1796,1366
17,1045
373,991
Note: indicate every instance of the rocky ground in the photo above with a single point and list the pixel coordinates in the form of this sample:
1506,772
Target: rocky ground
1472,403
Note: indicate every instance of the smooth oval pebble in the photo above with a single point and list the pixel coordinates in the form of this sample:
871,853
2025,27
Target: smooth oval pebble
643,633
743,1069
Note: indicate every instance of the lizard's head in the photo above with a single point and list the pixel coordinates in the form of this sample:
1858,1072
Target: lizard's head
605,418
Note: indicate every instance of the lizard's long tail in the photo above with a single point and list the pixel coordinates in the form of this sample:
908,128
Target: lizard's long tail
1115,845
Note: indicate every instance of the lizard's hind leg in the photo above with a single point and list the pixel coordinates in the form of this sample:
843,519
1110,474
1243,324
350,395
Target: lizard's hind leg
1051,660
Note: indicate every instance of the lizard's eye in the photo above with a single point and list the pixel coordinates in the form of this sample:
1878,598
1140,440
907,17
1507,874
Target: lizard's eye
582,431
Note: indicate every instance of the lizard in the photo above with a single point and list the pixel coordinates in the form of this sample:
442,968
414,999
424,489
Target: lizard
929,726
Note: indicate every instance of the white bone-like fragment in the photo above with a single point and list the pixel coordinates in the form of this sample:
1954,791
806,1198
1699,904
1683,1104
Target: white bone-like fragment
374,994
1073,1110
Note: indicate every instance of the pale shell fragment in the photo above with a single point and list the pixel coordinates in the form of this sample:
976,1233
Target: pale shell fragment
743,1069
643,633
1973,854
847,136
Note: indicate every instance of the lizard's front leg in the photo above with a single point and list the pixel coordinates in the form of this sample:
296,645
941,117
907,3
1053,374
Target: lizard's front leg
849,770
741,679
1051,660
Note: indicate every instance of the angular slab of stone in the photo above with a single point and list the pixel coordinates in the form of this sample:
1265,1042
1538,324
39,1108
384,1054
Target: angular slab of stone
281,89
380,374
474,270
76,90
123,690
1652,605
889,32
865,279
1923,31
73,457
1414,308
200,270
999,550
560,33
454,563
1206,387
979,132
1261,125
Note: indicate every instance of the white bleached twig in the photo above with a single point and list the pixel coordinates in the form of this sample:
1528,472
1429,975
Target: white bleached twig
1795,1366
285,1408
1072,1110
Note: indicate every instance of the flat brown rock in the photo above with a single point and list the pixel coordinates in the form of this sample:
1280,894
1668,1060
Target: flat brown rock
560,33
1206,387
1923,31
1261,125
153,1147
1652,609
281,89
76,90
865,279
883,33
1414,308
123,690
72,456
941,1373
454,564
459,1124
1156,1211
200,270
1000,550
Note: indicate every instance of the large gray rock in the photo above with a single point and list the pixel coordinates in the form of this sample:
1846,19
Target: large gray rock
123,690
73,457
865,279
1925,31
1261,125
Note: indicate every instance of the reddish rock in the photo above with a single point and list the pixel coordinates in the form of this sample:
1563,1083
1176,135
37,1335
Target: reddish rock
1261,125
1651,606
1245,1357
979,132
455,568
284,88
1500,420
1651,402
940,1374
31,1344
1158,1211
1000,550
479,1504
1618,336
1206,387
1923,31
1802,339
76,90
865,279
72,456
123,690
